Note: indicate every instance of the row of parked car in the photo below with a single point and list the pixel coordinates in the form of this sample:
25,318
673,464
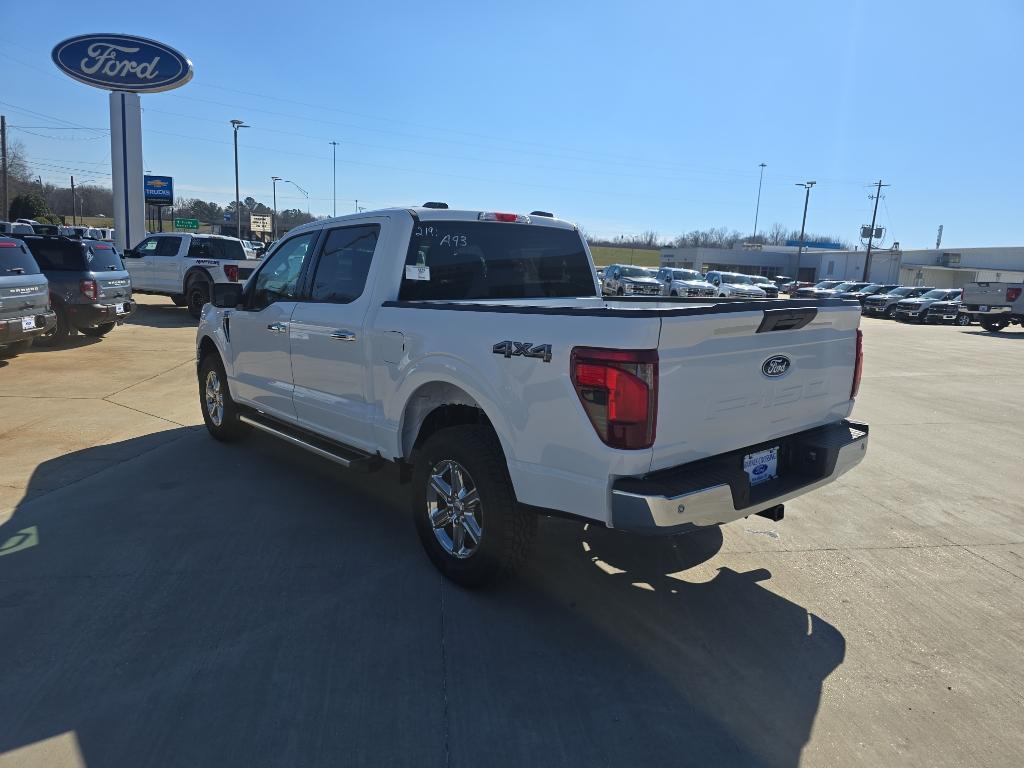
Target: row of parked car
909,303
623,280
54,286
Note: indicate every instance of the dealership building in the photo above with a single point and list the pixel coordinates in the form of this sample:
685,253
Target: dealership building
940,267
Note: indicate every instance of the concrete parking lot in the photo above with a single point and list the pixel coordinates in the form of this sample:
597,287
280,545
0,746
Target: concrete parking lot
168,600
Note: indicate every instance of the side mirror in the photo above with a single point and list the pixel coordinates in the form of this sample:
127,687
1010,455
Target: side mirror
131,253
227,295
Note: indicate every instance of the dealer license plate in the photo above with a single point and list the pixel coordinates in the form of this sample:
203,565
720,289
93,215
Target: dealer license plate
119,309
983,308
28,323
762,466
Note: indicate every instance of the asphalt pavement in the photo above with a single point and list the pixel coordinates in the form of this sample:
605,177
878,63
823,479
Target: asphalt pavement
166,600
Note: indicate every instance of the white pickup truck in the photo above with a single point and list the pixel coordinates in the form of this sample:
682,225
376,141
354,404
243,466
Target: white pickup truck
994,305
186,267
475,350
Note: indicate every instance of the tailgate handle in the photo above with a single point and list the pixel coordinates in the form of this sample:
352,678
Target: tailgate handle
786,319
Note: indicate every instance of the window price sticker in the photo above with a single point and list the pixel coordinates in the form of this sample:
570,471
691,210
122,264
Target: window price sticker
416,272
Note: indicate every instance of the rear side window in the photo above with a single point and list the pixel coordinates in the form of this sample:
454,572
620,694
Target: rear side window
214,248
460,260
344,263
16,260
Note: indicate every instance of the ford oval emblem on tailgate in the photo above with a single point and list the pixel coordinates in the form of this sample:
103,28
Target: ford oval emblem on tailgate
775,366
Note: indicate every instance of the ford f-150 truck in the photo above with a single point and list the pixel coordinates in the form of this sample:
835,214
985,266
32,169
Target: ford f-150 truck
186,267
994,305
476,351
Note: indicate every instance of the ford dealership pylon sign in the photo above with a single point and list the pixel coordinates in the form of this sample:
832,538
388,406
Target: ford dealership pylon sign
122,63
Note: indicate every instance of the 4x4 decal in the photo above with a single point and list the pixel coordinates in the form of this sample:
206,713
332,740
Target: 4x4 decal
523,349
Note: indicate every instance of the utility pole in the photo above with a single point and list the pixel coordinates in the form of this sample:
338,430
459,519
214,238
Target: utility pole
273,221
236,124
74,203
803,225
871,234
334,159
757,210
3,152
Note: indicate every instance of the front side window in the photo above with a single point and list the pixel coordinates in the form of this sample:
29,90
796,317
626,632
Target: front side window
167,246
278,280
467,260
344,263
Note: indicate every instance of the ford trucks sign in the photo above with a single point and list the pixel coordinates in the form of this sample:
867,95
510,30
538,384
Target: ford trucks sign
122,63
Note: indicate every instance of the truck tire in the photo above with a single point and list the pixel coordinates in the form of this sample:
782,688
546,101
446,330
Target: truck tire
890,312
197,294
962,319
465,510
60,333
220,414
993,325
99,331
179,300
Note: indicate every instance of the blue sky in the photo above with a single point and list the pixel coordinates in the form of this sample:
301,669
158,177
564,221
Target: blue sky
621,117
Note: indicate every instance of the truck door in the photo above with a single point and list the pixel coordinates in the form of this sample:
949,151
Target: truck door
139,263
330,354
165,265
259,333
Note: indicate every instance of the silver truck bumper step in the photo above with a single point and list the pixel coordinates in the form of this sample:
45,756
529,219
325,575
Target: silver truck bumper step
716,490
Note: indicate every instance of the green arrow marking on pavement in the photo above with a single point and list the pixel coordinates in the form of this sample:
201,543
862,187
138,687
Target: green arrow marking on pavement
23,539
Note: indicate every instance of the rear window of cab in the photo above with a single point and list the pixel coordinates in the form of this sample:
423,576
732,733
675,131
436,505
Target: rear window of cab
16,260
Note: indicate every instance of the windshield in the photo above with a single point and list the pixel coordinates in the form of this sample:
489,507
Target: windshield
737,279
686,274
901,291
826,284
633,272
459,260
15,259
936,294
762,280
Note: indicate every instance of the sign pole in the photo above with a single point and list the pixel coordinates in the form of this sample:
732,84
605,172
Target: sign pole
126,162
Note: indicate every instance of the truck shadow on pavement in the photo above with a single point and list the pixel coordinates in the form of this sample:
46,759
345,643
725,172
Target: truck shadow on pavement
161,316
244,605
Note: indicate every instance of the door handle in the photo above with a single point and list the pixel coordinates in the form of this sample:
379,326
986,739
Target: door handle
278,327
343,336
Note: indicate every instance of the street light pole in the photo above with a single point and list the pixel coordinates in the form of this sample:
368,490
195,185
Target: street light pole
807,199
334,161
273,222
235,125
304,192
757,210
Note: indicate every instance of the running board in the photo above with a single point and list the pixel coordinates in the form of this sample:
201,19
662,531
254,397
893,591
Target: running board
350,458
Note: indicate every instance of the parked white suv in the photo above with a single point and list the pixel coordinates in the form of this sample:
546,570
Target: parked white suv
735,284
684,282
473,349
186,267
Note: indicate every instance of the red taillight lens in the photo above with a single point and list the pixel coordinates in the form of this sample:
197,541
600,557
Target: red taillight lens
858,366
619,392
1012,294
89,289
231,272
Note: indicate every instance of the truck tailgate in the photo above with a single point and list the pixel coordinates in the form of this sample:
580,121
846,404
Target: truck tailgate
730,380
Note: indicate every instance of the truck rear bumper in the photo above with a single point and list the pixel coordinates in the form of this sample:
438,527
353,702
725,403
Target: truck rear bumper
975,309
716,490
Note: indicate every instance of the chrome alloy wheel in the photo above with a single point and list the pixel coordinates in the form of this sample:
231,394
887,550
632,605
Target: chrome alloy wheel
453,507
214,396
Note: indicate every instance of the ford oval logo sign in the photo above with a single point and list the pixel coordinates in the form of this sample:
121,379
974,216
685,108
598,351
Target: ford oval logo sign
122,63
775,366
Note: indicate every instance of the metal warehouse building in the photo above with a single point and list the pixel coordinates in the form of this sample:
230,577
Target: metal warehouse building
943,268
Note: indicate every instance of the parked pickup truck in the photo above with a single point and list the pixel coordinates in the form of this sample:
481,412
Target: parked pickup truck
474,349
186,267
994,305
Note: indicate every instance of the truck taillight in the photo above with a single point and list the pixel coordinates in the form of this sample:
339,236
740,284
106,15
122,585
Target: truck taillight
231,272
89,289
1012,294
858,365
619,392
